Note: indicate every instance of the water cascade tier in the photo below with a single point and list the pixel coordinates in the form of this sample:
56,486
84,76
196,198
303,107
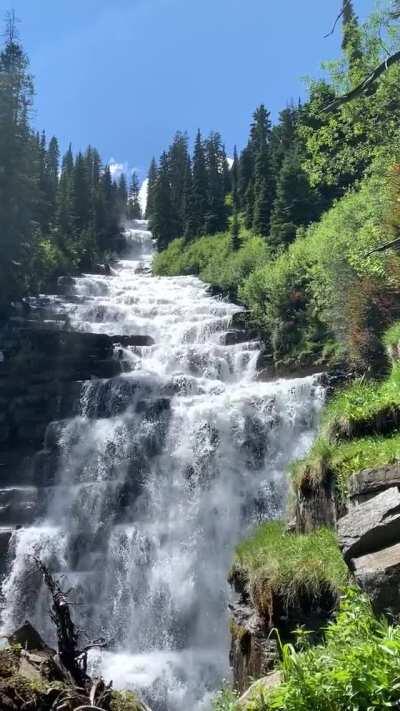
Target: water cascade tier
160,472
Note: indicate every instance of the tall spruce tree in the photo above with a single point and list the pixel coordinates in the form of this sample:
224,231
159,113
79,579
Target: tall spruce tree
177,161
216,215
18,167
189,226
351,41
122,189
296,203
163,222
264,180
235,228
200,186
151,186
134,208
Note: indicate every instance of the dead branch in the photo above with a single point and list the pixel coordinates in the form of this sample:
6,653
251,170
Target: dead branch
384,247
366,86
339,17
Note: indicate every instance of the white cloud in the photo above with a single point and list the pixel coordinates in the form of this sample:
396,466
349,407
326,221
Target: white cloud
117,168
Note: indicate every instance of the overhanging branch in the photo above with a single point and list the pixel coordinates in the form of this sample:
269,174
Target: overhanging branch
366,85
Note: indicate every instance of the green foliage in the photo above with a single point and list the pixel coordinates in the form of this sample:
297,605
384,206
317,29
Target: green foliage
355,668
292,565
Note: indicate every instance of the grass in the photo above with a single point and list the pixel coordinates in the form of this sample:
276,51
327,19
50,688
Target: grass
359,430
291,565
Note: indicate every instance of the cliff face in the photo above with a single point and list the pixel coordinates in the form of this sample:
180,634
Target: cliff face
41,374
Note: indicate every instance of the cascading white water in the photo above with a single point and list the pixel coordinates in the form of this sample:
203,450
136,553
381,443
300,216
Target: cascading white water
159,475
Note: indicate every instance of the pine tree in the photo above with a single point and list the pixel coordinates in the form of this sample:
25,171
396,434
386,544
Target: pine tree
264,180
163,223
216,216
235,230
246,184
80,195
200,186
189,227
284,136
52,167
351,41
122,190
151,185
134,208
177,161
296,202
18,167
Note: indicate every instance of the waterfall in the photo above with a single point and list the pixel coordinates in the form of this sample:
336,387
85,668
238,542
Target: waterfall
159,474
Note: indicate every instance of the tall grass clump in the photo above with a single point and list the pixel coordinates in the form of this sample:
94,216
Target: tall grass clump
292,566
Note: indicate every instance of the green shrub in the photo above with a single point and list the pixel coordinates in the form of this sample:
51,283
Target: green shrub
357,666
292,565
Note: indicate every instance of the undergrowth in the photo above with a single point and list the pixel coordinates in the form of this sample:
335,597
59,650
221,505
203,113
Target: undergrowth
356,668
292,565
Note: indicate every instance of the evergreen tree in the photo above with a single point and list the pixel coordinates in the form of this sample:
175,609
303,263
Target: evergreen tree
246,184
18,168
296,203
264,181
80,196
134,208
235,230
151,186
177,161
122,190
52,168
163,222
189,226
216,216
284,136
351,41
200,186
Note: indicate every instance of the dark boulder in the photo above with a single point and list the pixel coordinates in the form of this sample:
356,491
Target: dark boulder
138,340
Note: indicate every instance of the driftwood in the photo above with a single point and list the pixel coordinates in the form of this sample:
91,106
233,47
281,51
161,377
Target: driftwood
71,656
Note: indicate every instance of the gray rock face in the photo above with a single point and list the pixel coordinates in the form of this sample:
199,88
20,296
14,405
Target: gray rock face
369,482
371,526
378,574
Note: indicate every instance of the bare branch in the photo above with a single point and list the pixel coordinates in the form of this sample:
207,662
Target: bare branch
383,247
339,17
367,85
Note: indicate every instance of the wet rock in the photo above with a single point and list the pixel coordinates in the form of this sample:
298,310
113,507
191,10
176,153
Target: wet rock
378,574
138,341
19,505
253,653
233,338
28,638
316,506
371,525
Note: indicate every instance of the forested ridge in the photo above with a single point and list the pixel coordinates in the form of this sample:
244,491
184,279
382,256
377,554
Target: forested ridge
58,215
291,226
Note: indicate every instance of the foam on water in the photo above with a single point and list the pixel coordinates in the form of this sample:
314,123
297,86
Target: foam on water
160,474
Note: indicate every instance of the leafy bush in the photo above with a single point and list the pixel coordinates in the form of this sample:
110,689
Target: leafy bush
292,565
357,667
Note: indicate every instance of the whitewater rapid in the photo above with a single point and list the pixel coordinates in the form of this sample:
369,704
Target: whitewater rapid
160,473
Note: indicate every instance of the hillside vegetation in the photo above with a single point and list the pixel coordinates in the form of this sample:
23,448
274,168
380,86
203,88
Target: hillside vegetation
300,213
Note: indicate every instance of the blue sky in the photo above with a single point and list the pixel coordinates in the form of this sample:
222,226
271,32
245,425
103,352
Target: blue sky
124,75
